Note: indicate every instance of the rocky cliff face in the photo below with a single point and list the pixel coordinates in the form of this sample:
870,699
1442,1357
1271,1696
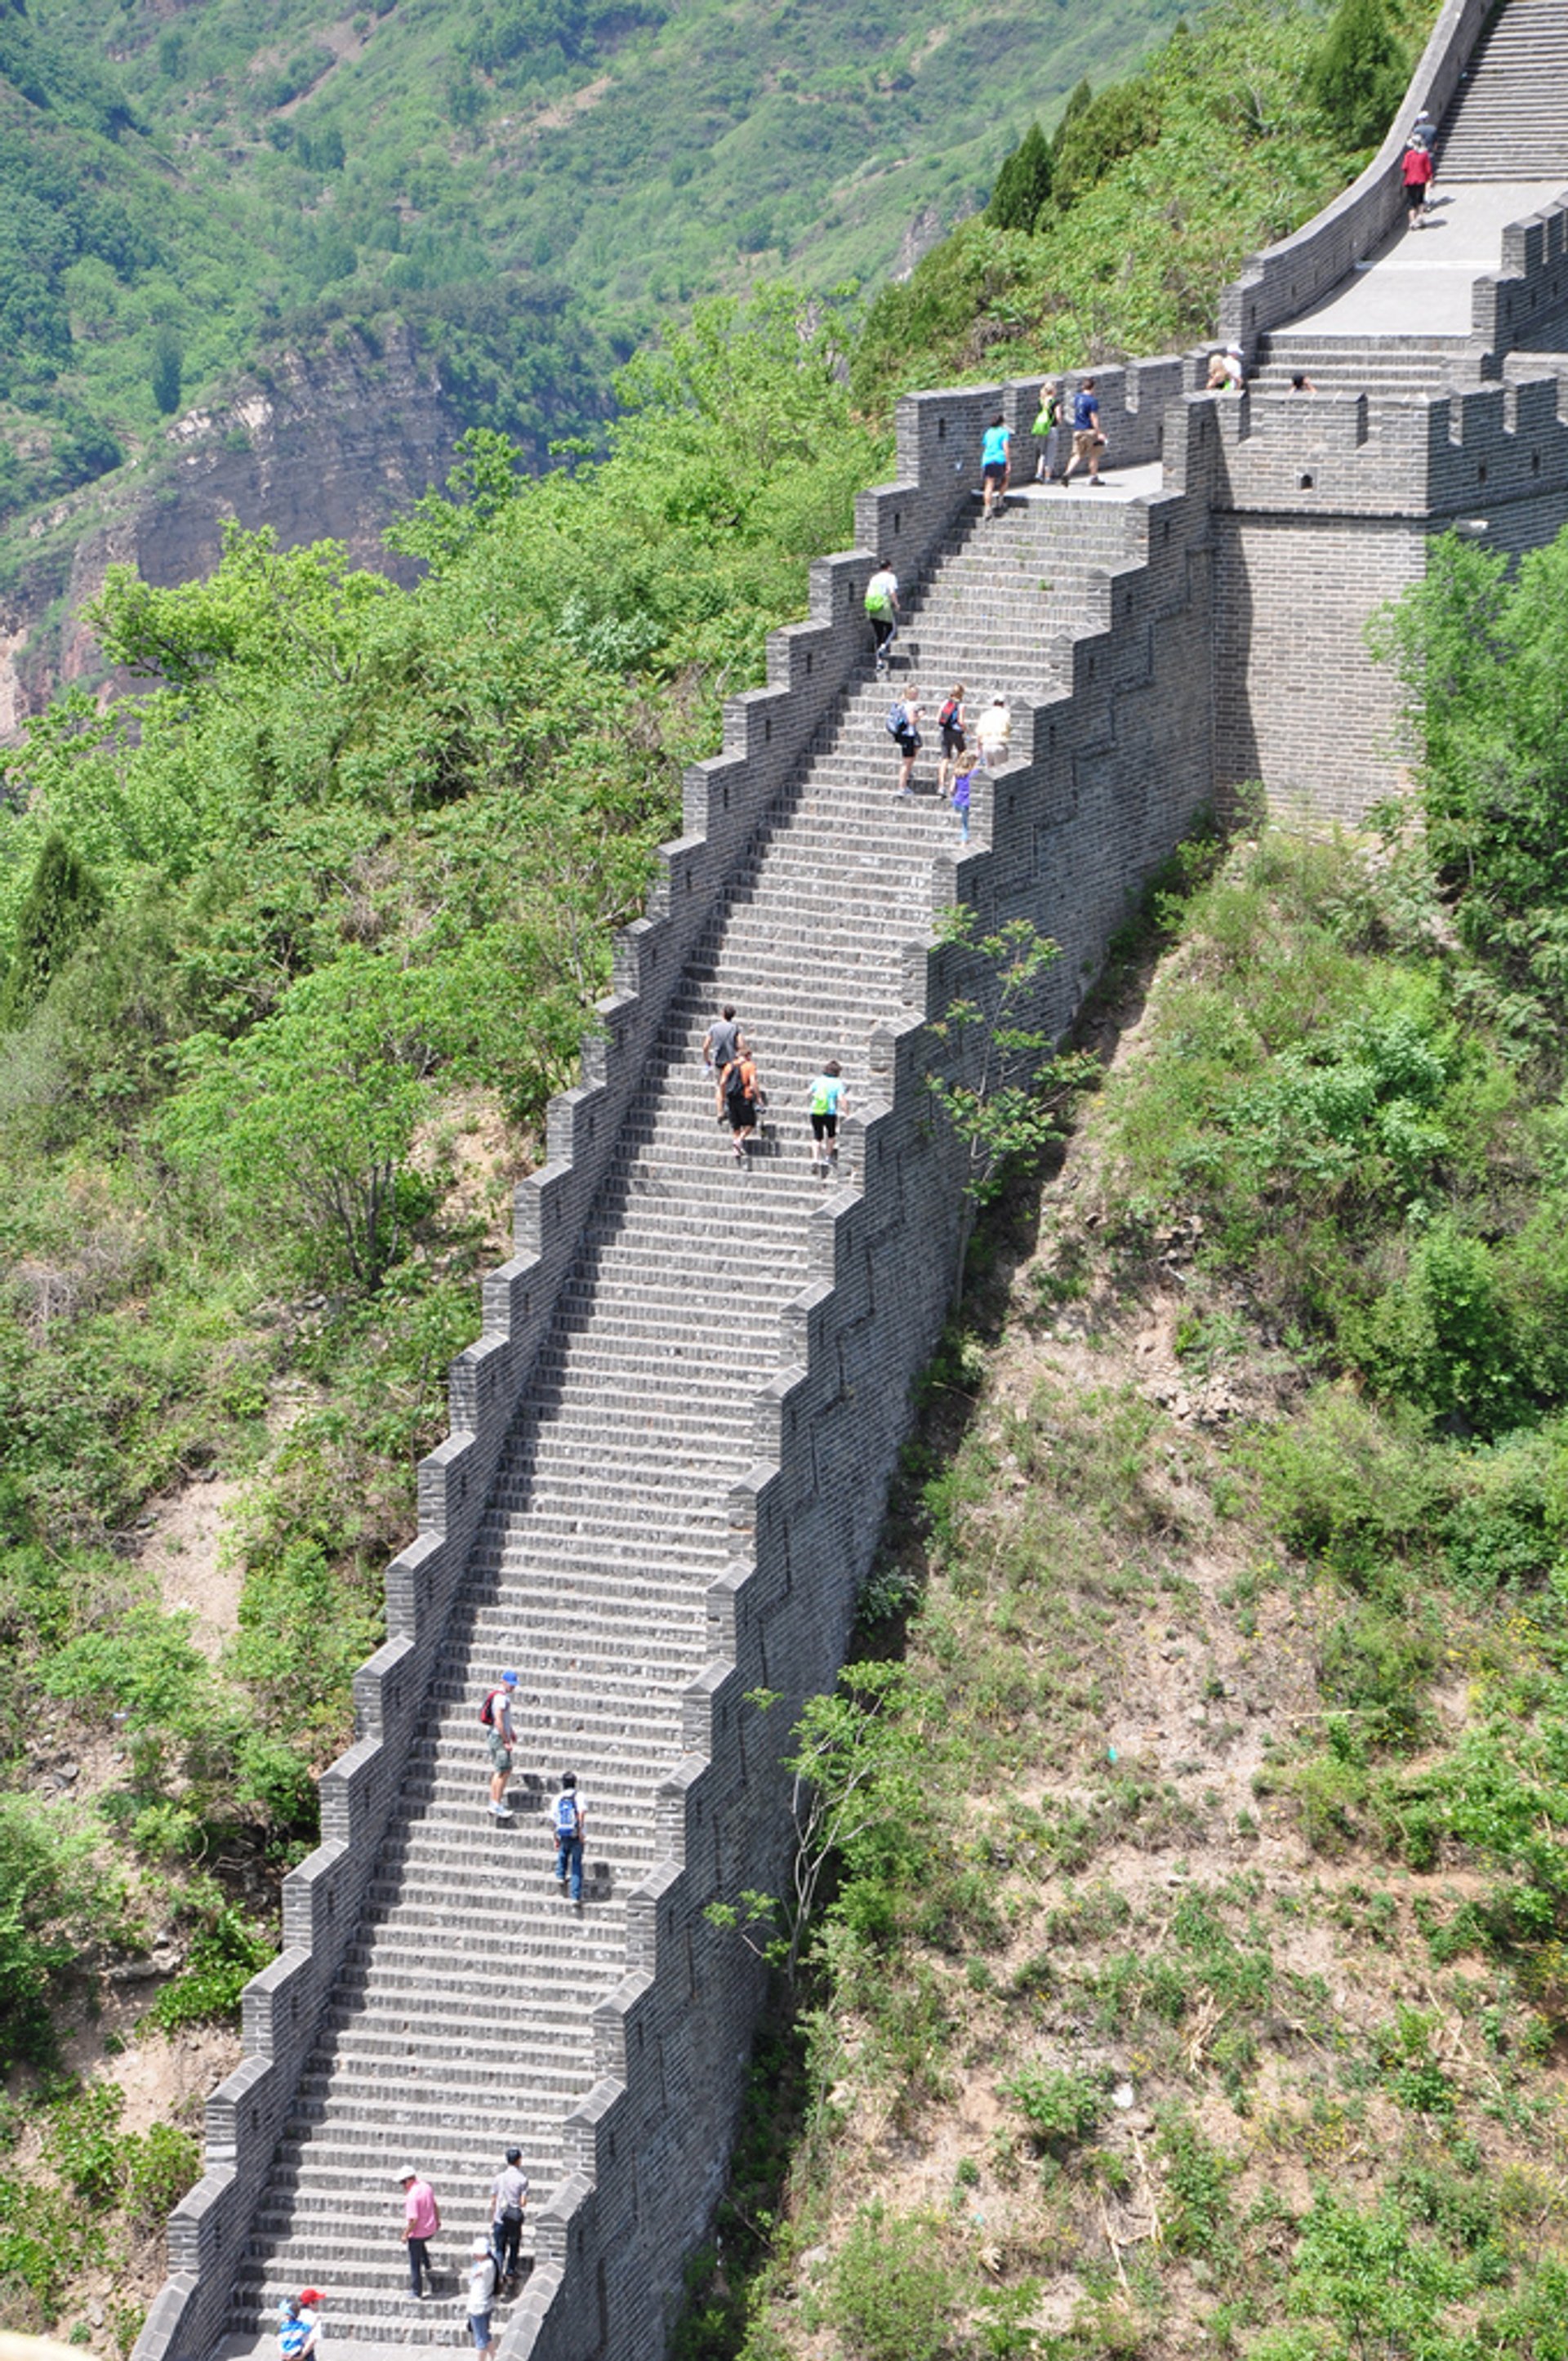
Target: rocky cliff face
330,443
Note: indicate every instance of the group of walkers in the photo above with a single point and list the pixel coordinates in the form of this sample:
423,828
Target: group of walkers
1058,419
739,1098
959,761
495,2261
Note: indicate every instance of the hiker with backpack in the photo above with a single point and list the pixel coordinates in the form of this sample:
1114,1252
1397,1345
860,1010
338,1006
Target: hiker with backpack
826,1098
741,1094
568,1830
509,2201
882,611
722,1044
904,728
494,1718
950,721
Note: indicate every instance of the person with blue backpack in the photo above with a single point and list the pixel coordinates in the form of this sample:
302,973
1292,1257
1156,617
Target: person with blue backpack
568,1828
904,728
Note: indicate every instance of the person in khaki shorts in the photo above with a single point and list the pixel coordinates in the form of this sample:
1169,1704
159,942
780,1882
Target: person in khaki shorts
1087,440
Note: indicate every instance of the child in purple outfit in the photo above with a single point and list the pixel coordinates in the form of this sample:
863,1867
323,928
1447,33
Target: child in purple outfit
961,801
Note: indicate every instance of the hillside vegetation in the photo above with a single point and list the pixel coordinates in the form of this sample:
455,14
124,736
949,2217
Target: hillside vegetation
294,944
528,184
1194,1980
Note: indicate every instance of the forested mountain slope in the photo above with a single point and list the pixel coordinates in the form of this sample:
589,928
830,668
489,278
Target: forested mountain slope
523,182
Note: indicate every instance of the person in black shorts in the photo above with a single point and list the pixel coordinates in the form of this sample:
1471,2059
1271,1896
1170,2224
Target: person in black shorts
827,1104
908,740
950,722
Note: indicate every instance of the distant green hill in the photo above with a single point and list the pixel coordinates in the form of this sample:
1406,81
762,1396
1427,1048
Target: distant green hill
530,183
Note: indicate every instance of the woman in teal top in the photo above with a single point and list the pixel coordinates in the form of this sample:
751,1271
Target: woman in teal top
995,463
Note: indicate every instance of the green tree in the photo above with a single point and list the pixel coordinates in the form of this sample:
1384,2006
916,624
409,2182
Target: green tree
309,1119
1004,1087
167,366
63,902
1480,659
1361,70
1101,133
855,1799
1023,184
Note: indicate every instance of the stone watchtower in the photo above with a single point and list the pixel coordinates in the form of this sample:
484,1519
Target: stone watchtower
670,1442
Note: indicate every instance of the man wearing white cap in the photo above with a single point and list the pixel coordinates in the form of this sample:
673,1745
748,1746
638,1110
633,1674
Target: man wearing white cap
481,2297
495,1715
421,2220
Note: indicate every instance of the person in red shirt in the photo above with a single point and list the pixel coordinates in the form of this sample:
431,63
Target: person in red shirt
1416,173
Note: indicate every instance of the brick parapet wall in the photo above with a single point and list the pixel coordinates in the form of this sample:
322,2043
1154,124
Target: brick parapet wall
767,733
1324,506
1524,303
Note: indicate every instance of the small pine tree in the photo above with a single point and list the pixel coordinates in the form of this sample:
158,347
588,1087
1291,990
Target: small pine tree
168,363
1359,76
1076,104
62,904
1023,184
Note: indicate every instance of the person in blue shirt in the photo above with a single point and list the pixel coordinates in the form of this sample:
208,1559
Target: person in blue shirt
995,463
1087,440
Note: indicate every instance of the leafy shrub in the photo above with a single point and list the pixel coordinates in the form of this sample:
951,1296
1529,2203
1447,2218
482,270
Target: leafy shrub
892,2299
160,2165
1198,2177
52,1898
224,1957
82,2141
1061,2105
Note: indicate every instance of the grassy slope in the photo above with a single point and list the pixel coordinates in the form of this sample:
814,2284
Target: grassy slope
1216,2003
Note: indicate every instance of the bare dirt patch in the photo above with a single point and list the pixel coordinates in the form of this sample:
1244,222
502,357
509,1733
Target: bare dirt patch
188,1553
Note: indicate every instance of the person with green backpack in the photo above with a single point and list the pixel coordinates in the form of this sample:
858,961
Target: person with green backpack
1048,419
883,610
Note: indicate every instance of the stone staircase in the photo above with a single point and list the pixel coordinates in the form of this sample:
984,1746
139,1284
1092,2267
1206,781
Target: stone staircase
462,2018
1394,368
1509,122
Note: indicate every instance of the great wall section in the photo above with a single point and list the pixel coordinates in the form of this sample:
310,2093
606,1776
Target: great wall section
671,1443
